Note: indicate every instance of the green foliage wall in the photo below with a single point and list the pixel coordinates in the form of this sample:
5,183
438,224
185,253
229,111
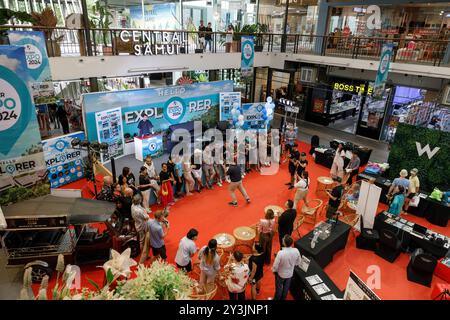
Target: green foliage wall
403,155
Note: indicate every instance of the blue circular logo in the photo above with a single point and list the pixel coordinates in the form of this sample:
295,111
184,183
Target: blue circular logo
10,168
60,145
174,110
152,147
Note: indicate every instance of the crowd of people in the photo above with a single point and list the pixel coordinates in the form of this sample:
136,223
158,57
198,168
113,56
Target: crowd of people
182,176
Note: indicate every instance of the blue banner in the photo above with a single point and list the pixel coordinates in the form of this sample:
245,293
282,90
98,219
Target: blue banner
21,158
247,55
152,145
64,163
228,101
35,52
163,107
383,70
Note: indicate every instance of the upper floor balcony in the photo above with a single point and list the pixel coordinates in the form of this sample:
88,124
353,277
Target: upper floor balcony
62,42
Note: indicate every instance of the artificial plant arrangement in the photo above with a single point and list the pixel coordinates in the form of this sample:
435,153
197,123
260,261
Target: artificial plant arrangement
102,20
160,281
46,21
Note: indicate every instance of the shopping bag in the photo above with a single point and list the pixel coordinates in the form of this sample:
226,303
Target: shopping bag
414,201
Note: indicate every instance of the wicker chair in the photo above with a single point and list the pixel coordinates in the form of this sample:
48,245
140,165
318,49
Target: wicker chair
298,223
311,211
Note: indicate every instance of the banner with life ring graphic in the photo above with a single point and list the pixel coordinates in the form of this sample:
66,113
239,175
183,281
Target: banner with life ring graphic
23,173
247,55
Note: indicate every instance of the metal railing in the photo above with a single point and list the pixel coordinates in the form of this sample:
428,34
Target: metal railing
106,42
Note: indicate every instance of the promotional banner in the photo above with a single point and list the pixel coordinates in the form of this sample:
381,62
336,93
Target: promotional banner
22,162
152,145
228,100
383,69
250,116
35,53
109,130
247,55
162,107
64,163
357,290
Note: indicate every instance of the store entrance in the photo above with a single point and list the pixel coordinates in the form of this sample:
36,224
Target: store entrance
280,83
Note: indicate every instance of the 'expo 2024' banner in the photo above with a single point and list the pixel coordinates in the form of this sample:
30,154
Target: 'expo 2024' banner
35,53
64,163
163,106
22,167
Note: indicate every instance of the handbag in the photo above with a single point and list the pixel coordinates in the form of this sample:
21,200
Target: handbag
414,201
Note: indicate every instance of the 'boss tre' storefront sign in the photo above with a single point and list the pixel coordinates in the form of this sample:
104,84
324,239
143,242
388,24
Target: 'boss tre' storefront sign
351,88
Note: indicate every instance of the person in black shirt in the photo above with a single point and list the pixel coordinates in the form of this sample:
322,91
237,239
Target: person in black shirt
144,186
145,126
294,157
124,204
286,221
302,163
208,37
127,179
256,266
235,174
61,114
177,183
335,198
166,193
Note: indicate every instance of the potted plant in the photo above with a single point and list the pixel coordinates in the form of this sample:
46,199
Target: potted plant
102,20
48,20
8,14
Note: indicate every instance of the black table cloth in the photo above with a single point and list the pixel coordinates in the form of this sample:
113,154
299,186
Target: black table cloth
325,159
325,249
362,152
302,290
381,182
436,212
409,242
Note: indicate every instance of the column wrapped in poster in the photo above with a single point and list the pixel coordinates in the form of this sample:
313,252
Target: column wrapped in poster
23,173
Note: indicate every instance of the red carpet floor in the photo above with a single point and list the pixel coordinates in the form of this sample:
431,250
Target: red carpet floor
209,213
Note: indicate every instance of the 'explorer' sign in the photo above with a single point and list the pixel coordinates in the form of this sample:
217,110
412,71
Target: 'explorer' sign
149,43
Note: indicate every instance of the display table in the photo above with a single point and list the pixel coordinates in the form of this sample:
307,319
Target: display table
148,145
410,241
301,289
324,156
225,241
325,249
434,211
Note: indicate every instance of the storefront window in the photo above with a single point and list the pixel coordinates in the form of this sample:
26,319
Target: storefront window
416,107
421,21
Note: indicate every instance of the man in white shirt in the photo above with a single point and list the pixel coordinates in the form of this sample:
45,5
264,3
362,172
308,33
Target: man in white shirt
186,251
283,267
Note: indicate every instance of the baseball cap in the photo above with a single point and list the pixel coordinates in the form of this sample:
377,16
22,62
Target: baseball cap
337,179
414,171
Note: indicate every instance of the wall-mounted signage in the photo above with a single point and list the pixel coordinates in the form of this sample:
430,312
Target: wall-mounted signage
150,43
358,89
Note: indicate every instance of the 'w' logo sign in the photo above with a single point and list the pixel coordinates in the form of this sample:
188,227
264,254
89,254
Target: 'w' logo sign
426,149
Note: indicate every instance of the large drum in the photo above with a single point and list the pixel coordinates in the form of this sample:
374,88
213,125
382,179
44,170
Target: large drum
323,183
225,241
245,237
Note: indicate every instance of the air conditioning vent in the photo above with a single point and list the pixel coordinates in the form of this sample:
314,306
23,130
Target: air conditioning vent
308,75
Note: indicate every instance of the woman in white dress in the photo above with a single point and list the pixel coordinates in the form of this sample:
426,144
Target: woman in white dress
337,168
187,172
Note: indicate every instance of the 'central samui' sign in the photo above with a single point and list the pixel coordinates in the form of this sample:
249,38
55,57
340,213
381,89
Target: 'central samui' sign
149,43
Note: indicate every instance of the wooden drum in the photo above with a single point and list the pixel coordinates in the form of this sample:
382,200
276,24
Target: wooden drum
323,183
225,242
245,237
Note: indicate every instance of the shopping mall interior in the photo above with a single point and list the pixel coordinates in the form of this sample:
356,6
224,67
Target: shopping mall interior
224,150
